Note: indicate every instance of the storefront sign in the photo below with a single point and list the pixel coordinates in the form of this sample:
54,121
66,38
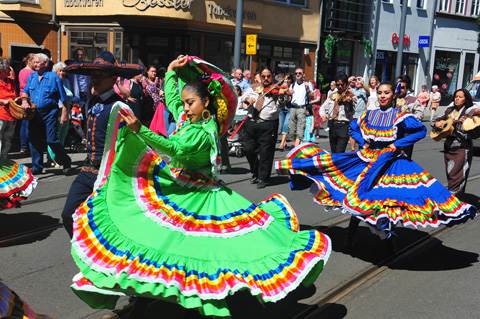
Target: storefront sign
143,5
286,64
423,41
82,3
218,11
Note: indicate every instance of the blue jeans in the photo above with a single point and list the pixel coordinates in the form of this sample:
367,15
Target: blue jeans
284,117
45,124
24,135
170,123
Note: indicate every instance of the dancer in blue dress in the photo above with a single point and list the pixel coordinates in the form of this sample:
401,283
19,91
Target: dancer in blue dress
378,184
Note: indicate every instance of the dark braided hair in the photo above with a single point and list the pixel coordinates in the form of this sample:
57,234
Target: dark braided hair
200,88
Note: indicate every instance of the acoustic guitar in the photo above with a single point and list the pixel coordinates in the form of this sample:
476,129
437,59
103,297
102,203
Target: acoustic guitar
472,126
439,133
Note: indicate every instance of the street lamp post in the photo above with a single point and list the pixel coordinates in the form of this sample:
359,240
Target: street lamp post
399,66
238,34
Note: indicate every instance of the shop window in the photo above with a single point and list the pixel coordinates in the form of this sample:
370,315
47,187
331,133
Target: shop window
475,8
460,7
445,5
298,3
92,43
445,72
118,45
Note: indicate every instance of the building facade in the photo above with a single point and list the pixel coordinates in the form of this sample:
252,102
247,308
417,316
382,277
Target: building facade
156,31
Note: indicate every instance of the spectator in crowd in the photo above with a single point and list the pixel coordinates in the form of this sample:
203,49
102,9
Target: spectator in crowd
247,76
137,95
45,89
7,121
80,84
59,69
423,96
373,83
77,118
435,98
284,104
360,104
301,92
257,77
22,80
49,55
151,86
239,80
315,104
333,89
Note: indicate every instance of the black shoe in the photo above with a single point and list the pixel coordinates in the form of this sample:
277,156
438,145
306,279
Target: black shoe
253,180
261,184
67,170
24,151
37,171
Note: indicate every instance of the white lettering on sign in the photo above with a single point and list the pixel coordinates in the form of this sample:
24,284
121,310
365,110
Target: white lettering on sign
423,41
143,5
229,12
83,3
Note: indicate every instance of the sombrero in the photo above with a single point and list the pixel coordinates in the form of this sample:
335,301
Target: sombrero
105,62
196,68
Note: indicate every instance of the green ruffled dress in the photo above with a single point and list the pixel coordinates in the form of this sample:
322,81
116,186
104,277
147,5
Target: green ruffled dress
176,232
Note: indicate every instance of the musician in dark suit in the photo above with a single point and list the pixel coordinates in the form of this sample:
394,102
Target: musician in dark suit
339,109
261,128
458,145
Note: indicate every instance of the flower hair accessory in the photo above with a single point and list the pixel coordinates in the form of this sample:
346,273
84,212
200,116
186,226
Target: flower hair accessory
215,88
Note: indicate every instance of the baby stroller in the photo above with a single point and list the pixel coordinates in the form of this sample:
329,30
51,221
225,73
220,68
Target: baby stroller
236,141
73,140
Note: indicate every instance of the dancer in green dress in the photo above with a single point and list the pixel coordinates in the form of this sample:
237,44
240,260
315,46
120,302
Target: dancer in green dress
175,231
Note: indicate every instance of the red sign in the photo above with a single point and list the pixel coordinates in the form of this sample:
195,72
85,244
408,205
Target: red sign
445,86
437,77
449,75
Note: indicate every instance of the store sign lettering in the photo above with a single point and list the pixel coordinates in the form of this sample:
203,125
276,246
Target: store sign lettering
229,12
445,66
82,3
143,5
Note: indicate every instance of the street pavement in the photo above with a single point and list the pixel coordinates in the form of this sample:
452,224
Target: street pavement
439,282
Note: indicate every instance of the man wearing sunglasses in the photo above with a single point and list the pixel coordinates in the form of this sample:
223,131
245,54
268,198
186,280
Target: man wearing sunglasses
261,127
408,102
301,92
338,109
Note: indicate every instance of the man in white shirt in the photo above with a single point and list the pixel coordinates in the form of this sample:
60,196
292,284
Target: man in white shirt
338,109
301,91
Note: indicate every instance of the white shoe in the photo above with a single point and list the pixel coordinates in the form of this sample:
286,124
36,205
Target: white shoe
327,129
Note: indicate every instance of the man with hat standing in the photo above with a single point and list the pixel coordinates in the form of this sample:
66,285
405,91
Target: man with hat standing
103,76
45,89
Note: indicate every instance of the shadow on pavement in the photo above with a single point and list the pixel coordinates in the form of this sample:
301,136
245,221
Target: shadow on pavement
368,247
13,224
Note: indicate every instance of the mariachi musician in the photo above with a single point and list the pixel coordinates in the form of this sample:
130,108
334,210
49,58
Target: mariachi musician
458,146
261,126
410,103
339,109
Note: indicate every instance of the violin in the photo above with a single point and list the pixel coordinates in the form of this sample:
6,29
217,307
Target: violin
273,89
344,95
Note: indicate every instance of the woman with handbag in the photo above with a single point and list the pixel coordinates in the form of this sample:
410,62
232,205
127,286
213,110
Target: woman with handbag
435,97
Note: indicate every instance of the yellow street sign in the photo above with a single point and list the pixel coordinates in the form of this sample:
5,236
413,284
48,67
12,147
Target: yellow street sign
251,45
